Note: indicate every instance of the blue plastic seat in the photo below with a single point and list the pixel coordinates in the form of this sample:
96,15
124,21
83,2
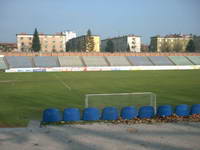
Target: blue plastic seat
91,114
110,113
129,112
146,112
71,114
195,109
52,115
182,110
165,111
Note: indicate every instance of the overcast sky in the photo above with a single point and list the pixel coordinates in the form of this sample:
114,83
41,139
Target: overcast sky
107,18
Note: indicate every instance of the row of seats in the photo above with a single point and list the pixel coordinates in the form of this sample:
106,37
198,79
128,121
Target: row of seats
112,113
92,61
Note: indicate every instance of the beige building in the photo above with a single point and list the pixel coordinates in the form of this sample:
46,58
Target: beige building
175,42
49,42
84,43
127,43
8,47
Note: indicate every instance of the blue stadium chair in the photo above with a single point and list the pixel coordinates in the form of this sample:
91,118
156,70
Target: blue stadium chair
91,114
110,113
146,112
182,110
195,109
52,115
71,114
165,111
129,112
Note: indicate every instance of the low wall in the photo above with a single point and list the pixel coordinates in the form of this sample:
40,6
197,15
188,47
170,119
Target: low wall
117,68
98,54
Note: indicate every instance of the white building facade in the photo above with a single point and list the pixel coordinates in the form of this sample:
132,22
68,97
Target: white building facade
128,43
69,35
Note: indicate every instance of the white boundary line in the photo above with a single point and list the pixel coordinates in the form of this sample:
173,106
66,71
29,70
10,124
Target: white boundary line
62,82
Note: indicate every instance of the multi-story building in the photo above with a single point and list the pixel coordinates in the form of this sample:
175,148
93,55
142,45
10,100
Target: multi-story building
130,43
174,42
84,44
69,35
49,42
8,47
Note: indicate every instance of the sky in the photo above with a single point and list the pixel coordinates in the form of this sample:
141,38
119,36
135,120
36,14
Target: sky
106,18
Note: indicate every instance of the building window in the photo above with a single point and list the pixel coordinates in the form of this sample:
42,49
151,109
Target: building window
21,38
30,38
46,46
60,46
54,41
22,43
54,46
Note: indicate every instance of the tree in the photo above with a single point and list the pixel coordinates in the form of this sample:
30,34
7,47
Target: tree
190,46
89,41
196,40
109,46
36,47
68,47
128,48
89,33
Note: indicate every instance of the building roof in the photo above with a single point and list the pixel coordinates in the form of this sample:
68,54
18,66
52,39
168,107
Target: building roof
129,35
55,34
173,36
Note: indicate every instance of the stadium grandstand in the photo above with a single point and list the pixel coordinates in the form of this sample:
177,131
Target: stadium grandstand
11,62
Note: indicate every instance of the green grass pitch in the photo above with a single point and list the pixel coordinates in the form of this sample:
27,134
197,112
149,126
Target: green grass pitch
23,96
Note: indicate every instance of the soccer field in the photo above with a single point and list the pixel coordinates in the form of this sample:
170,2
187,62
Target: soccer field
23,96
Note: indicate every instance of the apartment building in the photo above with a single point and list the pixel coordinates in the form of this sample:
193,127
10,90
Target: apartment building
173,42
49,42
8,47
84,44
130,43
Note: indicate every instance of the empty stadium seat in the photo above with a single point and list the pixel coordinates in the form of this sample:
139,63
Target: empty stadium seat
194,59
52,115
2,63
70,61
118,61
19,61
160,60
129,112
180,60
140,61
46,61
94,61
91,114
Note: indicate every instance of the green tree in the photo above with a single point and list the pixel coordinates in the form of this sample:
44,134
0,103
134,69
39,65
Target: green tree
196,40
190,46
68,47
89,41
36,47
109,46
89,33
128,48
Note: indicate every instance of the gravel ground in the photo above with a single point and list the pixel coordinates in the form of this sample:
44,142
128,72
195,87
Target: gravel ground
100,136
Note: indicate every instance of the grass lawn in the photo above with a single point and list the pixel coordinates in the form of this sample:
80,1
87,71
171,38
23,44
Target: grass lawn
23,96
